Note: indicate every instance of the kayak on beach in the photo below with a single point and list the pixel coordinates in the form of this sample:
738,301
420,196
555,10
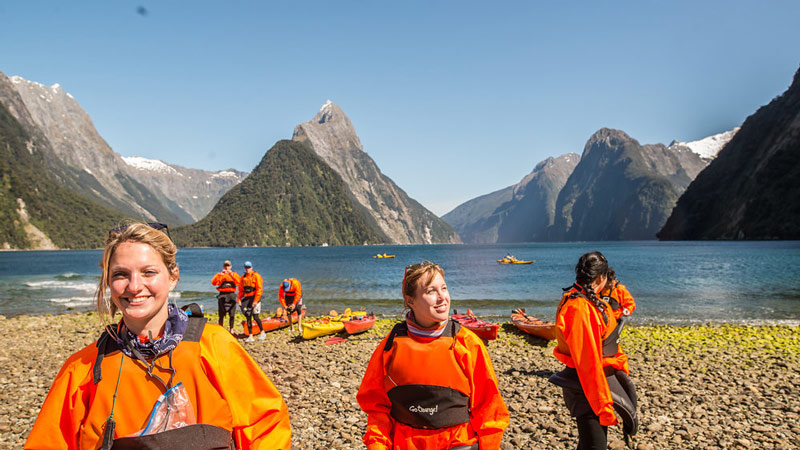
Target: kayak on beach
274,323
484,330
532,325
330,324
359,324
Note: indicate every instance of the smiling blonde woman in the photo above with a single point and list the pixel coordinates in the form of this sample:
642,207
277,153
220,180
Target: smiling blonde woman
157,378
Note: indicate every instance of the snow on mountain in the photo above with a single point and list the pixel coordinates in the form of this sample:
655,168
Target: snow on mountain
153,165
225,174
708,147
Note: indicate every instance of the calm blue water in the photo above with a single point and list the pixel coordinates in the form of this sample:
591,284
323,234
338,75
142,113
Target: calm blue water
672,282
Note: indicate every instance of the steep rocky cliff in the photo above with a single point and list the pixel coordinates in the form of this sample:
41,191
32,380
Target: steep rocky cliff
36,210
750,190
622,190
519,213
400,218
85,163
97,172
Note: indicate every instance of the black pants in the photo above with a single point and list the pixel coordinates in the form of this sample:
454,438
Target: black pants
247,307
591,435
227,305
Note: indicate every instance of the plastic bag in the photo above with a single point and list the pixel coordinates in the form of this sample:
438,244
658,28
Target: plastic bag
172,410
257,308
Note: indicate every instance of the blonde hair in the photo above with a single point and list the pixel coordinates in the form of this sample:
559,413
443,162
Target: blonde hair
415,273
133,232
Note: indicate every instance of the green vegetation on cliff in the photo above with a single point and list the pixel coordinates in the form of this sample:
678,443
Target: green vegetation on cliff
68,220
291,198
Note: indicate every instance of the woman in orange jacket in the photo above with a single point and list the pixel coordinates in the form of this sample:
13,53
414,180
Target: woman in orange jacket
595,382
408,405
157,378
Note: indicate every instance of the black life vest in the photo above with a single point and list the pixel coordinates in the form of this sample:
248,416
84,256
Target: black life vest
227,285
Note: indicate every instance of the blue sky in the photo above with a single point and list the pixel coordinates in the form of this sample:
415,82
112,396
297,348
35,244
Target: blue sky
451,99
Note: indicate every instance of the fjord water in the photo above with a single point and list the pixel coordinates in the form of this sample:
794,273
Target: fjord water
672,282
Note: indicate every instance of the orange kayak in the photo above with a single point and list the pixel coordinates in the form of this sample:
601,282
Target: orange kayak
532,325
272,323
359,324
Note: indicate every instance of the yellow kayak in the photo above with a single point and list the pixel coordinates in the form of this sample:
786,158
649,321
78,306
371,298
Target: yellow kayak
509,259
329,324
383,256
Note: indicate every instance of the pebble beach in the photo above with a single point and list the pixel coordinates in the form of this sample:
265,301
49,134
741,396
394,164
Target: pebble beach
699,387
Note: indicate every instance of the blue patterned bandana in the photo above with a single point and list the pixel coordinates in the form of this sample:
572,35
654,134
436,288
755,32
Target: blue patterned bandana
174,328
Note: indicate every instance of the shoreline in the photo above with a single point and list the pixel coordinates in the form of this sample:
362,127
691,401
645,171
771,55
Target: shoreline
700,386
494,318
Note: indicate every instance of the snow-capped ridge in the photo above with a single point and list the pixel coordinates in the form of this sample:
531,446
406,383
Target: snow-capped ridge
154,165
708,147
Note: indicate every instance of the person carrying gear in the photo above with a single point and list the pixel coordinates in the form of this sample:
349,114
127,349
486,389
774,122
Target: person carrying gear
290,294
250,291
595,382
411,407
227,281
157,379
617,296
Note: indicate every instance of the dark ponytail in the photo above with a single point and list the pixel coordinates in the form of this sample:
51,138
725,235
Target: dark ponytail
590,266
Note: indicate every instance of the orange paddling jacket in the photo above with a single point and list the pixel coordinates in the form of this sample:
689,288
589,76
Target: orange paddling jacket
252,286
620,299
226,282
295,292
432,393
226,387
586,342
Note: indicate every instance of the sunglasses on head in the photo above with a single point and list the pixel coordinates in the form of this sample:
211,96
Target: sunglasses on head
154,225
418,266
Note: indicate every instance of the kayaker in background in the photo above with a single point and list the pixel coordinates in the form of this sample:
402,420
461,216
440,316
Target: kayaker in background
157,363
617,295
410,406
250,291
290,294
587,337
227,281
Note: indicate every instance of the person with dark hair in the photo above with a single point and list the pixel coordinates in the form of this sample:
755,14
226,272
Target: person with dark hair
430,383
226,281
157,378
595,382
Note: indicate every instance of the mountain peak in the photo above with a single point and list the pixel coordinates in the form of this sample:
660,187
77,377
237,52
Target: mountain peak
608,135
329,112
